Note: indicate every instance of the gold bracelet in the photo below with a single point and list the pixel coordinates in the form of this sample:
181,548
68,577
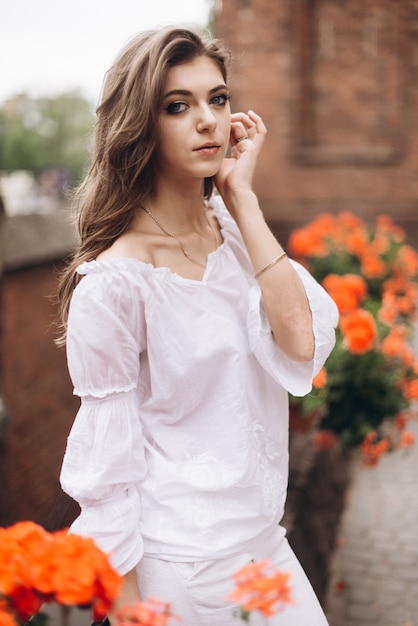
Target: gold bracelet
269,265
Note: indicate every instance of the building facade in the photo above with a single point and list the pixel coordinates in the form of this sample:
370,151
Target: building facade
336,84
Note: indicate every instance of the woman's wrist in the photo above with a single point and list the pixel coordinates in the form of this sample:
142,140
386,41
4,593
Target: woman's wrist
244,207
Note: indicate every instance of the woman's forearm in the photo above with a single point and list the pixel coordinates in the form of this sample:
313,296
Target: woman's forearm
129,595
284,296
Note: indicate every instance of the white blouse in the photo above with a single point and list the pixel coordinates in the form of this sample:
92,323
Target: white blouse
180,446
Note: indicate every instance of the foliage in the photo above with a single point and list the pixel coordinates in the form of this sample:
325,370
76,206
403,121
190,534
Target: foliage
370,379
41,133
38,567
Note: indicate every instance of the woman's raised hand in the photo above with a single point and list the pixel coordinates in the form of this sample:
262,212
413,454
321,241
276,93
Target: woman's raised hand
237,171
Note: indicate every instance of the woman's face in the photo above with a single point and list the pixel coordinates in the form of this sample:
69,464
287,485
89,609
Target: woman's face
194,122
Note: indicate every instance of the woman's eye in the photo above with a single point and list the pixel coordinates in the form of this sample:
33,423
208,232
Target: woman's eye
220,100
176,107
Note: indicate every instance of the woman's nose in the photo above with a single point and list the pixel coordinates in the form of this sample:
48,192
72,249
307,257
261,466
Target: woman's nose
206,119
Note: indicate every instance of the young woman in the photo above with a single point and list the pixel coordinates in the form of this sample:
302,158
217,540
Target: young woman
187,327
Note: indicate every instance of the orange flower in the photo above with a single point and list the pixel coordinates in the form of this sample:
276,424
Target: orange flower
381,242
407,439
347,291
359,330
6,617
22,551
410,389
372,265
395,346
38,567
259,587
304,243
349,221
324,224
388,312
408,261
320,380
82,574
325,439
400,294
401,420
149,613
357,242
372,450
386,224
363,265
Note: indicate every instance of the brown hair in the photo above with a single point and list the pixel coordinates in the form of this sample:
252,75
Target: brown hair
122,173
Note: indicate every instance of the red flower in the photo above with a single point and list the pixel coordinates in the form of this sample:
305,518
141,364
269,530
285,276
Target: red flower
26,602
340,585
325,439
401,421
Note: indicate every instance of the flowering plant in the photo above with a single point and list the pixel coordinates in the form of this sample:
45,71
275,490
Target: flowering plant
365,392
146,613
38,567
259,587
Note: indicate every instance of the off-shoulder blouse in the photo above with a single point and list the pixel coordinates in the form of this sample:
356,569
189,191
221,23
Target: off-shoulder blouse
180,446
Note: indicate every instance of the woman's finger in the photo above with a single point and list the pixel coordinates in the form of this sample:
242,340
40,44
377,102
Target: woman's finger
258,122
248,125
238,132
243,123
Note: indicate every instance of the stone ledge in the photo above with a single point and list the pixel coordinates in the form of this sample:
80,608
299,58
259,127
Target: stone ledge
36,238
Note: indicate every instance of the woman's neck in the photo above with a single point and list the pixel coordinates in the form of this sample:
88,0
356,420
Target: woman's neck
181,210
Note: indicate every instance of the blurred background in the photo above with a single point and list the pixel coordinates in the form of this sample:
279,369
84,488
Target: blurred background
336,84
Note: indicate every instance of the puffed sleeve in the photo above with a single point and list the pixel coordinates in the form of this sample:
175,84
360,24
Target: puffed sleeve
104,460
295,376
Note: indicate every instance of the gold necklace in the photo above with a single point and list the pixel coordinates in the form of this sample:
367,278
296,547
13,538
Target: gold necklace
182,248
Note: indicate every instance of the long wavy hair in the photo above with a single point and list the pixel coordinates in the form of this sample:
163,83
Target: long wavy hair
122,172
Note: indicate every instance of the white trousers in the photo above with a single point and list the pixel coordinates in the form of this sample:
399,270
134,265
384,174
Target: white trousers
197,591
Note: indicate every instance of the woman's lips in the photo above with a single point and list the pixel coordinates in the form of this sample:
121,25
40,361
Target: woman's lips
208,149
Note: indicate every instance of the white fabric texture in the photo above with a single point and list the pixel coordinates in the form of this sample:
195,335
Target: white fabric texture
198,591
180,445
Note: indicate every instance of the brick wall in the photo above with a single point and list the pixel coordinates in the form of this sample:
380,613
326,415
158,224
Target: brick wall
336,84
38,394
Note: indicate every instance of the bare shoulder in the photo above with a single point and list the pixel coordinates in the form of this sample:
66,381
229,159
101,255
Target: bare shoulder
132,245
